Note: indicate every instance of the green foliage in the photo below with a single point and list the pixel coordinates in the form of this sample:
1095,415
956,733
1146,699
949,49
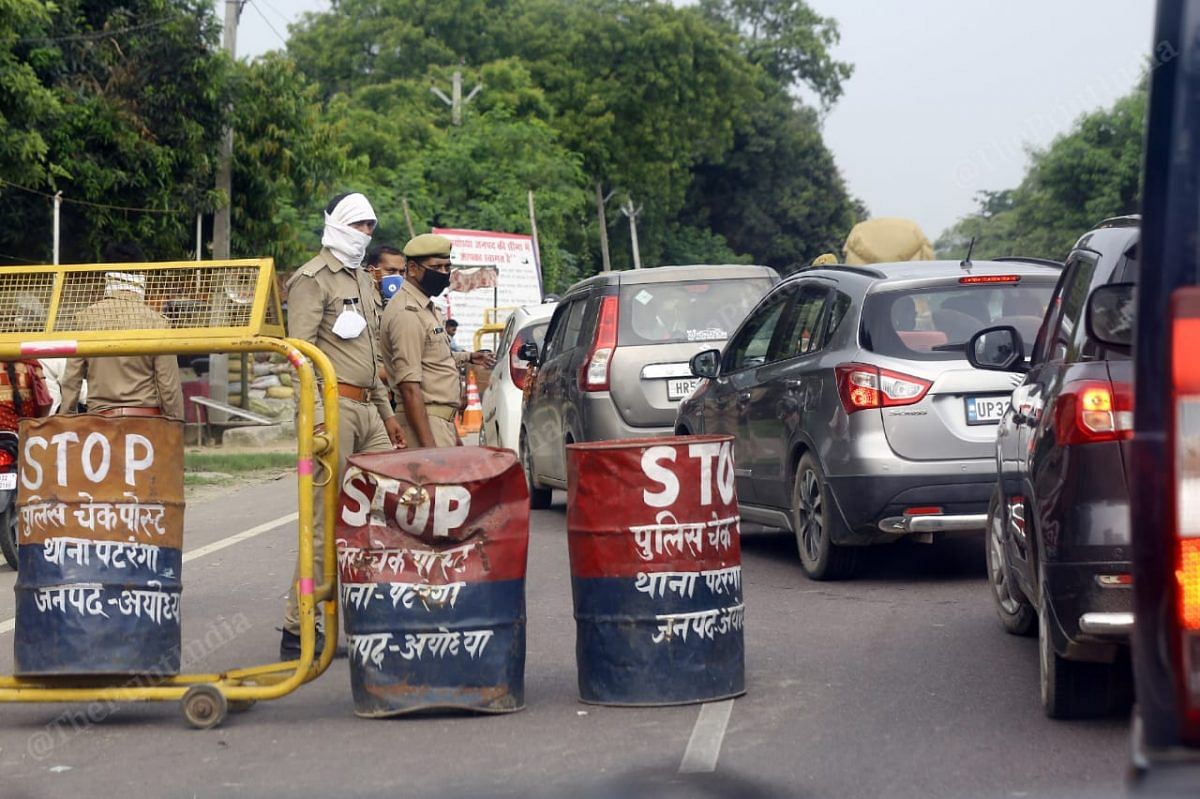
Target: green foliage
288,157
126,98
789,40
1084,176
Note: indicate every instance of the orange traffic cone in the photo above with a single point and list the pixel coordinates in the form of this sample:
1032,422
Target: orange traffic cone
472,416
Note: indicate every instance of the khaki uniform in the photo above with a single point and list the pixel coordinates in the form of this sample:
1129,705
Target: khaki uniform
147,381
416,349
317,295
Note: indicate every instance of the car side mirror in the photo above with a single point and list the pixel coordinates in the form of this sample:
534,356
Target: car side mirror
706,363
997,349
1111,314
528,352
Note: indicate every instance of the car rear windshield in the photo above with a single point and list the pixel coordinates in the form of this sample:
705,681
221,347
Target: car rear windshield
692,310
935,323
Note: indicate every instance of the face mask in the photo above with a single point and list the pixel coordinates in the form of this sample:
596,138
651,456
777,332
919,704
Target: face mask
389,285
347,244
434,283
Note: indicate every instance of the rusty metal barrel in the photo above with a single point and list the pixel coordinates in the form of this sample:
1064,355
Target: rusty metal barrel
656,570
100,534
432,545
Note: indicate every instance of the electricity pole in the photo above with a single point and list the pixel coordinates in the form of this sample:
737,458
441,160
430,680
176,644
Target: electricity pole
600,200
633,213
221,222
455,100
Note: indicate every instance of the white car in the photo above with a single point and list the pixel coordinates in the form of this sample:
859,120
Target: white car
501,399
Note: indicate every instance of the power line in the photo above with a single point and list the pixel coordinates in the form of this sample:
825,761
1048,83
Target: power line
275,11
106,206
84,37
269,25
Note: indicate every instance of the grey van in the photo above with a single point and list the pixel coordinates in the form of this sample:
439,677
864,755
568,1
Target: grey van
615,359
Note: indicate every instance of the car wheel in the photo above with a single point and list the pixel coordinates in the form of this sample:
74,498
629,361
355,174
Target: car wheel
1071,689
539,498
813,520
1017,616
8,536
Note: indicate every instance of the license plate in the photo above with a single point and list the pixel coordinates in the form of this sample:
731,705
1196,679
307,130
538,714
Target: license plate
986,410
678,388
8,481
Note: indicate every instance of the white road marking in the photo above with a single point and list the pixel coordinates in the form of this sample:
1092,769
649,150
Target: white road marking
704,747
7,625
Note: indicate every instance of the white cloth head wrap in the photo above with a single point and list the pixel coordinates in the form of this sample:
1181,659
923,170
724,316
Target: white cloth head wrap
124,281
347,244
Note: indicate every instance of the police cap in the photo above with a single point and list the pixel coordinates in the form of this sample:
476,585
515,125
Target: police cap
428,245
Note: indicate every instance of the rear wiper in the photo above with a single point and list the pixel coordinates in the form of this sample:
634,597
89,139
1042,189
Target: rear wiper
961,347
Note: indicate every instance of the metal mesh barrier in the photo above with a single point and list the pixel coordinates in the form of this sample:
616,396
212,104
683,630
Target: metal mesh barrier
197,297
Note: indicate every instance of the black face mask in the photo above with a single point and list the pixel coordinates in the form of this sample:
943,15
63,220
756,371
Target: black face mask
433,282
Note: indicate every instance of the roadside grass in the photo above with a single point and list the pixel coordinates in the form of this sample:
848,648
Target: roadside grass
237,462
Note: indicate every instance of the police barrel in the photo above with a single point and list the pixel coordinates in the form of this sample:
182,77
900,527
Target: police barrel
432,547
100,531
656,574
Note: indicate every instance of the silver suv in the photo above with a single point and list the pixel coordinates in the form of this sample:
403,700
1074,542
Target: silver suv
857,417
615,360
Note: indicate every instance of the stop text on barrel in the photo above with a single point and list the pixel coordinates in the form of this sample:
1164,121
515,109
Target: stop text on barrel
716,465
94,453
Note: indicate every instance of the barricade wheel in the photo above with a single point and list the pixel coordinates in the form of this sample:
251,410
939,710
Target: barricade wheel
240,705
204,706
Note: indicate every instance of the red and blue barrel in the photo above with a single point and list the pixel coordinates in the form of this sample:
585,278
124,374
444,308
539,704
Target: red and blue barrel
656,570
432,546
99,533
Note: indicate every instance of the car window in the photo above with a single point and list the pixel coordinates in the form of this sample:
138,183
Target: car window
754,339
556,336
1073,300
838,308
935,323
801,331
690,310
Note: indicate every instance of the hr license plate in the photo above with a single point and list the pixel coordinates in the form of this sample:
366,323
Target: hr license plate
678,388
8,481
986,410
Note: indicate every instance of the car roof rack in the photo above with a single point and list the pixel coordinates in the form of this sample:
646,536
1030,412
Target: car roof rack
1029,260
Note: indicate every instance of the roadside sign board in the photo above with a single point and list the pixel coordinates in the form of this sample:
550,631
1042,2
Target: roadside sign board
518,276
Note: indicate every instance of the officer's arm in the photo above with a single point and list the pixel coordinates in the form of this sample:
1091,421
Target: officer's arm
71,384
414,412
170,389
306,308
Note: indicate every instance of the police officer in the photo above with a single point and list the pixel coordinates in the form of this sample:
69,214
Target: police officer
126,385
416,348
333,304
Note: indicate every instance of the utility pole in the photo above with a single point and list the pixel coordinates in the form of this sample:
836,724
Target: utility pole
221,222
57,215
407,216
455,100
600,200
633,213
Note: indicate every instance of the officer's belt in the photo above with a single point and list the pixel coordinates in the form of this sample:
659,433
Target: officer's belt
447,412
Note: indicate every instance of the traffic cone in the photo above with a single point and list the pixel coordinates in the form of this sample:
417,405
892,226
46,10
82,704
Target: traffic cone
472,415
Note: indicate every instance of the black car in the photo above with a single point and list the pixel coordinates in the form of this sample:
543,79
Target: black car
1058,550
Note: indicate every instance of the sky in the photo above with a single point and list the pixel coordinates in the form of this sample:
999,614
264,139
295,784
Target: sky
947,95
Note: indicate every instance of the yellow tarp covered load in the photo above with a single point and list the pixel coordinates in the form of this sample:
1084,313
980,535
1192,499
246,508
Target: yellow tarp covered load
885,240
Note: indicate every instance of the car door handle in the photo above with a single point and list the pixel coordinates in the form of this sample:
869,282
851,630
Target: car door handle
743,399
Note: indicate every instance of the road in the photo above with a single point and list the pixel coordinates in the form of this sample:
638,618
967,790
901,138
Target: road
898,684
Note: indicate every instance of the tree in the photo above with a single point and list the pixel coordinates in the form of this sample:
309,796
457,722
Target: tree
789,40
130,97
1090,173
778,194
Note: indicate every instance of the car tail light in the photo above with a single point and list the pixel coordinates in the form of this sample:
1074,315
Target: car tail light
1184,442
6,459
862,387
1092,411
593,375
517,369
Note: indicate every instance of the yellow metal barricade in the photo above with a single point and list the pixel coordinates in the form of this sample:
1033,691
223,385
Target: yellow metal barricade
212,307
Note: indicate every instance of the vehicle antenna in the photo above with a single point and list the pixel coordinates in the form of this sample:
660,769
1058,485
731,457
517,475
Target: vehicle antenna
966,262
